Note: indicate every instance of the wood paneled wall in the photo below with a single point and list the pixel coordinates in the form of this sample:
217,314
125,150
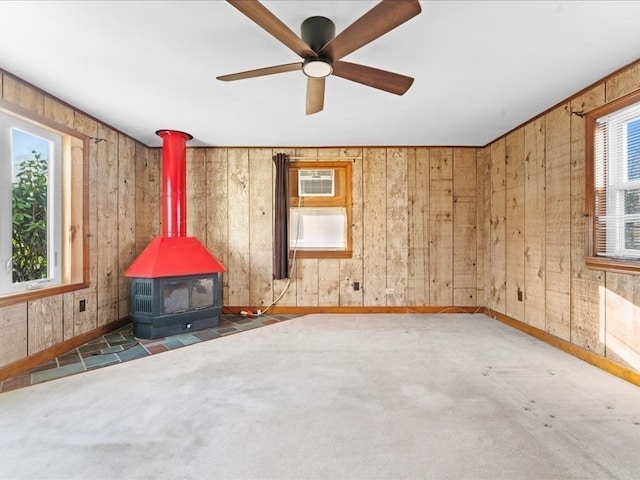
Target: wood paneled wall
413,226
534,197
115,161
431,226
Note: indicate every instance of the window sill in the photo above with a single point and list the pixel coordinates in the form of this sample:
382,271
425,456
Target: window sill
26,296
616,265
321,254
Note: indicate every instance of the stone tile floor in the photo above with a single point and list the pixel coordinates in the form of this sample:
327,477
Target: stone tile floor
121,346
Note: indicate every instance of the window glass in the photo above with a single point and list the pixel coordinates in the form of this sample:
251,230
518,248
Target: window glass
202,293
30,192
175,296
633,150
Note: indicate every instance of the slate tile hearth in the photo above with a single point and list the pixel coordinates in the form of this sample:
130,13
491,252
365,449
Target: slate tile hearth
121,346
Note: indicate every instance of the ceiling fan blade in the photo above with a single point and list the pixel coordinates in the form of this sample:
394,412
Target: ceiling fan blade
373,77
384,17
315,95
261,72
273,25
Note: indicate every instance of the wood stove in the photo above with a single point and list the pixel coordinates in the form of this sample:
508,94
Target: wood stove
176,283
171,305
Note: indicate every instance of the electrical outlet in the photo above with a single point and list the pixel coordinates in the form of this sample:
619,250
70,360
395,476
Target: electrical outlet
519,294
390,291
356,286
83,305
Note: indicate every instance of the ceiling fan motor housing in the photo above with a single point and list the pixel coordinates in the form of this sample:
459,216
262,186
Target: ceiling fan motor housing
317,32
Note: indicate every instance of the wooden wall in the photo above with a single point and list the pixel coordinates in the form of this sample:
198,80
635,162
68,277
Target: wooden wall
115,161
432,226
414,226
533,187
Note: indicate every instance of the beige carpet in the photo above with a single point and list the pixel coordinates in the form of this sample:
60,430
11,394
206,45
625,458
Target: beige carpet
333,397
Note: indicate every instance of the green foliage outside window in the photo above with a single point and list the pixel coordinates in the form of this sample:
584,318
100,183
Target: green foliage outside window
30,219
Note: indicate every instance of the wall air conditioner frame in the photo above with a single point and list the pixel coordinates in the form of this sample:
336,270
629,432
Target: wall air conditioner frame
316,183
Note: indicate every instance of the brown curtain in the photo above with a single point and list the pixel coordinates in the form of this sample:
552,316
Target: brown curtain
281,218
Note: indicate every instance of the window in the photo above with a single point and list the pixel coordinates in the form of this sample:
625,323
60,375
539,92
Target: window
38,164
320,209
613,185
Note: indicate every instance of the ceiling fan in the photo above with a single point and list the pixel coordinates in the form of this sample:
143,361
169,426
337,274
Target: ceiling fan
322,51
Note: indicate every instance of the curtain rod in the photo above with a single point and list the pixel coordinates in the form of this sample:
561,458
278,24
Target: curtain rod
326,158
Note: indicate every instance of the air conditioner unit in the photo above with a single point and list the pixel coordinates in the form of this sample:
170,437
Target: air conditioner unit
316,183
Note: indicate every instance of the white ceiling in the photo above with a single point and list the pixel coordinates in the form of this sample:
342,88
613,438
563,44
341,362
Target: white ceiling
481,68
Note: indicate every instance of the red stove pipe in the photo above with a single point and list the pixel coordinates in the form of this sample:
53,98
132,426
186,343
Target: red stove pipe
173,253
174,182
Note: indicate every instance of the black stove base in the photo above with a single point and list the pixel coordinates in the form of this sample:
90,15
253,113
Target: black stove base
152,328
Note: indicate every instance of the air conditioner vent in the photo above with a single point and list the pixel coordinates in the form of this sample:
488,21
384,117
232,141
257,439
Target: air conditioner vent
316,183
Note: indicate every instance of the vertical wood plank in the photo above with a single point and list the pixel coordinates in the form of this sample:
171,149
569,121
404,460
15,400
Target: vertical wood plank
197,218
148,191
587,286
217,235
45,327
238,269
374,225
464,227
351,268
534,224
418,226
441,227
13,333
107,225
126,217
484,225
68,322
397,227
514,178
498,279
558,222
261,226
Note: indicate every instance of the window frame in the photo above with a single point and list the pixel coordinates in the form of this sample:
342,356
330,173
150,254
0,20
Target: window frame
594,260
74,211
341,199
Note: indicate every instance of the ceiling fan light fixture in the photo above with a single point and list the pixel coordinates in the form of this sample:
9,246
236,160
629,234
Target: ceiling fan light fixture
317,67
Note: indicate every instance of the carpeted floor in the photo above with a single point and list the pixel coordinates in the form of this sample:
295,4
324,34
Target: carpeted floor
333,396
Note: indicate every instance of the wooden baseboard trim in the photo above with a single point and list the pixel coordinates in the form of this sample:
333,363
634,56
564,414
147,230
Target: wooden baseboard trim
588,356
284,310
32,361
